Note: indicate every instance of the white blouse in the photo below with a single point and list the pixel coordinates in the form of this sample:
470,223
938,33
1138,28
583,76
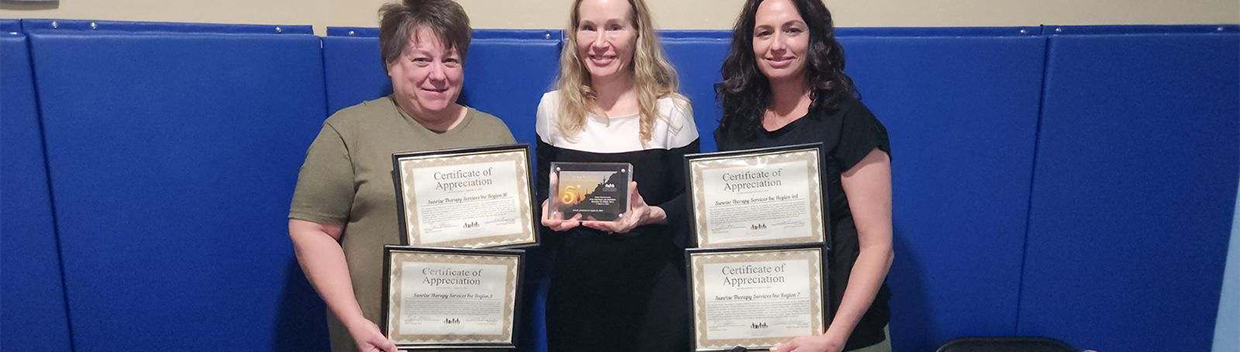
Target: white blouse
674,128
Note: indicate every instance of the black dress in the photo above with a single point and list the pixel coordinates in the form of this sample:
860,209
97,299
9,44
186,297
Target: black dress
621,292
848,133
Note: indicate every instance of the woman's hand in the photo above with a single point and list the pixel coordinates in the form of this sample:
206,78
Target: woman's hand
368,337
820,343
639,214
557,224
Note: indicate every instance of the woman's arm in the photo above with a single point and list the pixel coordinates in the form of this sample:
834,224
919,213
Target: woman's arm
322,259
868,186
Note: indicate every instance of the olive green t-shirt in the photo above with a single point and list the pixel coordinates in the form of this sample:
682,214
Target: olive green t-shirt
347,179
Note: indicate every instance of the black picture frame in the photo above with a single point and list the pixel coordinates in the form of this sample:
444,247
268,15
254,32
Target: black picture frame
518,286
824,257
824,200
534,223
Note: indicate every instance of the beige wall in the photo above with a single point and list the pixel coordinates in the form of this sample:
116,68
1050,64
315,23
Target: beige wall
671,14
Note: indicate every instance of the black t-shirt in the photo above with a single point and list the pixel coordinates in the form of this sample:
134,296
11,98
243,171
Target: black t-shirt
848,132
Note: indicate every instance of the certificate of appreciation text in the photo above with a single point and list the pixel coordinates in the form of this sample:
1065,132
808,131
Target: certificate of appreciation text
450,297
466,198
756,298
760,197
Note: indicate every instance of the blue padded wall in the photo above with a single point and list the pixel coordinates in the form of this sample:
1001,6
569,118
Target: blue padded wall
507,77
173,155
1073,182
961,112
31,287
1133,190
353,69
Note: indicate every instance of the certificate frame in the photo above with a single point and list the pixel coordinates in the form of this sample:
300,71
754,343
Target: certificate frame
697,164
696,260
512,309
407,207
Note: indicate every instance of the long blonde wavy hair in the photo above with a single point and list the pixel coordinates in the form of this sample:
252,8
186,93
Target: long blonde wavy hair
654,77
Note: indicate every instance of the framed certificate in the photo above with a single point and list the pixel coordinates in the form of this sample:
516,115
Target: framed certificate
595,191
473,198
449,298
756,297
757,197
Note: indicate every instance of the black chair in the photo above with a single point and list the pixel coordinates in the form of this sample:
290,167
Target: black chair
1005,344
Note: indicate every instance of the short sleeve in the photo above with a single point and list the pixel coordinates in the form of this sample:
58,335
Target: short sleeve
325,190
682,139
682,129
545,116
860,133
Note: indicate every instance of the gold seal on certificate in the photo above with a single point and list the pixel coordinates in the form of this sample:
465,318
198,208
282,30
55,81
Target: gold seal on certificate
446,298
596,191
480,197
756,297
757,197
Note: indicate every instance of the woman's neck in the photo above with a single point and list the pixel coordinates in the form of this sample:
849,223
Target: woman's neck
616,96
789,102
787,95
436,121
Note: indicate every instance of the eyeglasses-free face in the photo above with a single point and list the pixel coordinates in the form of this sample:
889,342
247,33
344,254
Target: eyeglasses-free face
427,78
606,37
780,40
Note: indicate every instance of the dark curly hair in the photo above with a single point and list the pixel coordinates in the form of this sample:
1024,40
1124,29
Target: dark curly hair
745,91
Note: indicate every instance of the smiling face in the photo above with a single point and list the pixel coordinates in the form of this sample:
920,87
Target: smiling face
780,40
427,78
606,37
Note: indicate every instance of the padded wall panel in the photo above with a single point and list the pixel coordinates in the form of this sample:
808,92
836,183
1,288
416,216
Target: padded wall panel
173,159
1134,191
507,78
120,27
698,60
354,71
961,113
32,299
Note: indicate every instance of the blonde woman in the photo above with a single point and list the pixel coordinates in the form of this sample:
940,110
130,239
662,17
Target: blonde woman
618,285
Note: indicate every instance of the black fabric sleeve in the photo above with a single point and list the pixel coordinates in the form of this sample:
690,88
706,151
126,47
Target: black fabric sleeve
677,208
544,155
860,133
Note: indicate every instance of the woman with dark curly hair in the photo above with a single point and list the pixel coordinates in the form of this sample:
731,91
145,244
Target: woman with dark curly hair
784,84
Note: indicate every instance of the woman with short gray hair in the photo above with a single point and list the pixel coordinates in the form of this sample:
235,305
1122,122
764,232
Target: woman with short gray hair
343,211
